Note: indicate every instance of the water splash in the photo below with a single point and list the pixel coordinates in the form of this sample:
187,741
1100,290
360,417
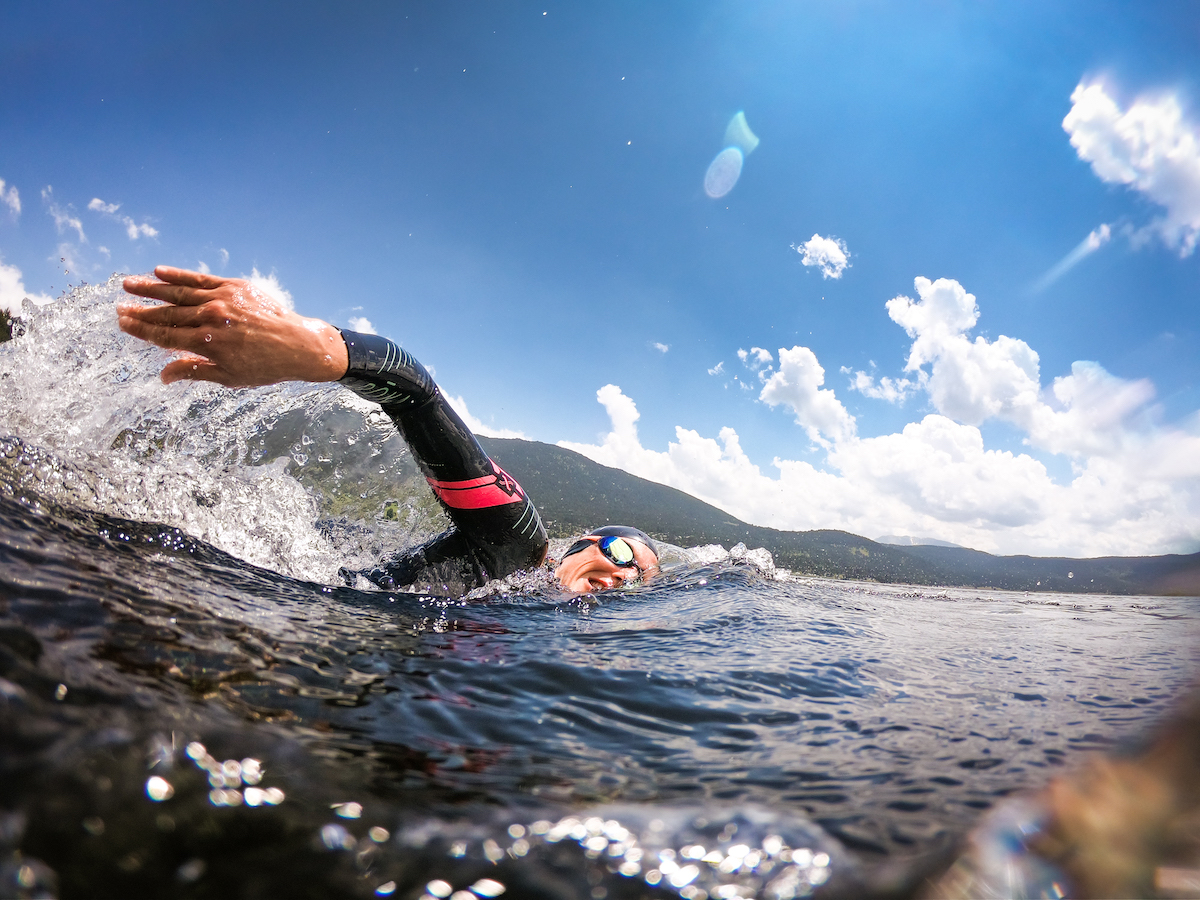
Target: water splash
296,478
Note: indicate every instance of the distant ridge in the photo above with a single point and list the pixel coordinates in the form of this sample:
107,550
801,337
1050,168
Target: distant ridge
904,540
573,494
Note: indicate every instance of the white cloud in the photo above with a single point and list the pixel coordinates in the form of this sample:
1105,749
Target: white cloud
890,390
460,406
1083,413
132,228
968,381
10,198
829,253
203,268
1150,147
933,478
135,231
362,324
62,217
1134,486
756,358
98,205
1096,239
797,385
269,284
224,256
660,347
105,251
717,369
13,291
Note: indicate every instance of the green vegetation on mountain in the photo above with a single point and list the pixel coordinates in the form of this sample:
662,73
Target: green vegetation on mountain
575,494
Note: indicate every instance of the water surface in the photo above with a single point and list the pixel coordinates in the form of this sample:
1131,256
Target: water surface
169,606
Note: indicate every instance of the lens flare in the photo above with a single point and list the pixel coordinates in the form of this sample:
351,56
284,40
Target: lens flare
723,173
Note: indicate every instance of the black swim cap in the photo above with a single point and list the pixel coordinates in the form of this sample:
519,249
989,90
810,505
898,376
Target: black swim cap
626,532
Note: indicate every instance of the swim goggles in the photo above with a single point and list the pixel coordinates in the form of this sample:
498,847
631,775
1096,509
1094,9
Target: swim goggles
615,549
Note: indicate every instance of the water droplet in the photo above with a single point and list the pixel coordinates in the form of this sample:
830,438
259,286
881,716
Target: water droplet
94,825
159,789
487,887
207,338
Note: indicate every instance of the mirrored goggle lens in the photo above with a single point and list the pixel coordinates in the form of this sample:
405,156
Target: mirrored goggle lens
618,550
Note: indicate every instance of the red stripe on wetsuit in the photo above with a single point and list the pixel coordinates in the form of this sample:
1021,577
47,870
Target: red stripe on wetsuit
479,493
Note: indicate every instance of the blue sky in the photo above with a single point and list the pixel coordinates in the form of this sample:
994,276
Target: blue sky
515,192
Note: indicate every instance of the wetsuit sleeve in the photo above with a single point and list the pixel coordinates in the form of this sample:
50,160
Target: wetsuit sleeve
497,530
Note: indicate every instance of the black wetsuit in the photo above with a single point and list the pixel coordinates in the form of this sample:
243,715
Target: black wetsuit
496,529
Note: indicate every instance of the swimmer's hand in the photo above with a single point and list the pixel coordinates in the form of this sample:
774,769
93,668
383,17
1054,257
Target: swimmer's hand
229,331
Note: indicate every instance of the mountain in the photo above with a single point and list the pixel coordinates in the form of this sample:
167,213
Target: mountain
904,540
575,494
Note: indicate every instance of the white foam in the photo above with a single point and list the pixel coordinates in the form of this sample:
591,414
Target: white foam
220,464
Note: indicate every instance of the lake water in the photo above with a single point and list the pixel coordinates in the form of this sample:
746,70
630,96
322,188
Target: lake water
193,705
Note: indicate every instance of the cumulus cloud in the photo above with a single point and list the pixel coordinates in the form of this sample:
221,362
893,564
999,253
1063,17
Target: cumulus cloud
224,256
1150,147
362,325
460,406
202,267
13,291
829,254
717,369
1134,486
10,198
968,381
660,347
269,284
63,218
935,477
797,385
972,381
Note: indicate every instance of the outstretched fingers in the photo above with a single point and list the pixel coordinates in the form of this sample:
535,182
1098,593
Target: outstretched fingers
175,316
165,335
179,286
188,278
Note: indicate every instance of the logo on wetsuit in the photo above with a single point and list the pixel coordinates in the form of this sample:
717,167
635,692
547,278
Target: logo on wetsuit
497,489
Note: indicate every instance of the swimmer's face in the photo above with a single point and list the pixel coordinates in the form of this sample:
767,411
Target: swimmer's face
590,570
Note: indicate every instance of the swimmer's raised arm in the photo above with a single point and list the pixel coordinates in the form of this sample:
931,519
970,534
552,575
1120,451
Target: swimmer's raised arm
230,331
234,334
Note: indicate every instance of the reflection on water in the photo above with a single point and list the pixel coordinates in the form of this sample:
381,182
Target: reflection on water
175,719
